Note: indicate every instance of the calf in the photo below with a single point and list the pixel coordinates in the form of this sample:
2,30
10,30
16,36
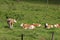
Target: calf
27,26
48,26
10,22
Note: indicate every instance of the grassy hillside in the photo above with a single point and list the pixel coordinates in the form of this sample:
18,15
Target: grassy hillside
28,12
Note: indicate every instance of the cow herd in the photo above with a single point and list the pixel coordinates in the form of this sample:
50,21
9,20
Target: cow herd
11,22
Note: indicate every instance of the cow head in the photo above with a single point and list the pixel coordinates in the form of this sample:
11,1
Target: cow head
56,25
37,24
22,24
46,24
15,21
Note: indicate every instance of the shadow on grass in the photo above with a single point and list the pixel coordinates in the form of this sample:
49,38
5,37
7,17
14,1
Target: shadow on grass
6,27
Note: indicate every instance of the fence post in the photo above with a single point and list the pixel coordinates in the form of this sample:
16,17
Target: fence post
21,36
52,36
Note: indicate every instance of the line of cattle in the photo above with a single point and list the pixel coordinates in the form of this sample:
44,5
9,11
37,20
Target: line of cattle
11,22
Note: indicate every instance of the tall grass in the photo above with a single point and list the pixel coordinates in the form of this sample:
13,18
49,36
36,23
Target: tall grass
28,12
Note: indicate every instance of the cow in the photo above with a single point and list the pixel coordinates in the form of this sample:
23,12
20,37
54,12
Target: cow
36,24
11,22
27,26
57,25
48,26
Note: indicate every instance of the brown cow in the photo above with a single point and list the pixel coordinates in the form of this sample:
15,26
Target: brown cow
10,22
27,26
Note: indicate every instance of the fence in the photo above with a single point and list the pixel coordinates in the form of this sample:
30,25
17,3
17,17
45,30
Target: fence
52,36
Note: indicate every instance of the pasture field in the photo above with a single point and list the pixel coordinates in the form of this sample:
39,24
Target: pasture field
29,12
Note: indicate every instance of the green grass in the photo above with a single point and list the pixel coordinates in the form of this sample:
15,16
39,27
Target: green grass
28,12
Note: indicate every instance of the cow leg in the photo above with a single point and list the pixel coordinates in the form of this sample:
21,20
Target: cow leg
11,26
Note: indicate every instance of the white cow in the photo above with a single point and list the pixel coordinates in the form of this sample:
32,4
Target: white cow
10,22
48,26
